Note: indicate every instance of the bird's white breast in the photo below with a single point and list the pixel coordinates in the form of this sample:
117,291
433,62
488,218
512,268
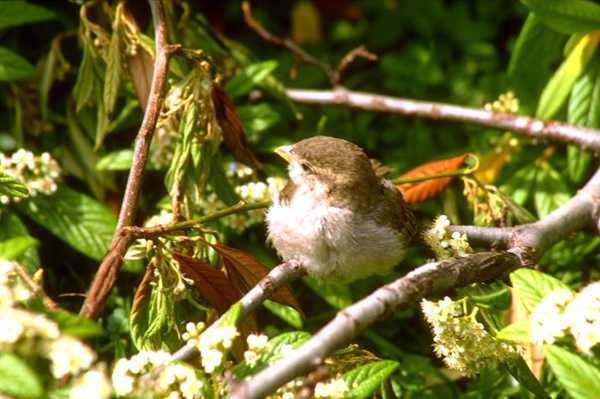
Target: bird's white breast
333,243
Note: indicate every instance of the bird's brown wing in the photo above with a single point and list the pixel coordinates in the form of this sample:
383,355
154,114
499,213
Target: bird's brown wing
397,212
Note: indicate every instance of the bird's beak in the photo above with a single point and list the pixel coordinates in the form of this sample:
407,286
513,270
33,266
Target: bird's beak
285,152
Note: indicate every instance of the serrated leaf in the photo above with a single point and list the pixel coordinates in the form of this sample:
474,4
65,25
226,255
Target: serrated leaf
517,332
75,218
47,78
557,90
521,372
531,286
84,86
116,160
15,247
579,378
15,13
13,66
249,77
550,191
365,379
112,77
12,187
567,16
17,378
285,313
75,325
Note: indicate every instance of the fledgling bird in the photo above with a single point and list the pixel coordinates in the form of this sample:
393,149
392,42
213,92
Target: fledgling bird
335,215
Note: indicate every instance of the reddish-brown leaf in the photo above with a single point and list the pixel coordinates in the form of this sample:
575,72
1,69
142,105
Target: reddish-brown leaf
210,283
234,136
246,271
140,65
422,191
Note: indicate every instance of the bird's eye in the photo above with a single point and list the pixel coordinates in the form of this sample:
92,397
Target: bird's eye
306,166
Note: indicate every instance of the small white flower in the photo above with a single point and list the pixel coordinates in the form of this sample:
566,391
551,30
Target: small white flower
582,316
257,342
335,388
211,359
69,356
93,384
547,319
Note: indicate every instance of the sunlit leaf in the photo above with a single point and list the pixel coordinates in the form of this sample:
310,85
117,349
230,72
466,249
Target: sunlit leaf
84,86
12,187
517,332
15,247
550,191
249,77
558,88
567,16
531,286
17,378
365,379
116,160
580,378
286,313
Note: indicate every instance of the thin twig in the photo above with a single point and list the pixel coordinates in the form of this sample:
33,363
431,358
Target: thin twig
537,129
105,277
360,51
35,288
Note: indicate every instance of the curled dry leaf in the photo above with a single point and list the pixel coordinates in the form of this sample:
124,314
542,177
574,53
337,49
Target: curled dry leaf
140,65
246,271
210,283
421,191
234,136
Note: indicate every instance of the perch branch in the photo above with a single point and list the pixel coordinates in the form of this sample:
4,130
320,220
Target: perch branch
525,242
537,129
106,275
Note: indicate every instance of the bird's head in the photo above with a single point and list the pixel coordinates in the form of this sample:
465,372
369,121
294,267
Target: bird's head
330,165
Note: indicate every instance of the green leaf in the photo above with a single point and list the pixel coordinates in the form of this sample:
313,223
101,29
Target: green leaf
364,380
517,332
75,218
257,118
84,87
520,185
17,378
15,247
15,13
557,90
531,286
75,325
231,317
116,160
521,372
551,191
12,187
567,16
579,378
285,313
112,80
249,77
488,296
10,227
583,110
13,66
535,49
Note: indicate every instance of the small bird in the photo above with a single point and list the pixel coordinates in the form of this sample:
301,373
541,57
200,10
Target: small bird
336,216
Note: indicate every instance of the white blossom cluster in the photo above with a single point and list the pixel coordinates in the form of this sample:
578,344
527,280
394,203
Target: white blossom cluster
460,340
175,381
213,343
561,311
444,244
256,346
38,173
25,332
332,389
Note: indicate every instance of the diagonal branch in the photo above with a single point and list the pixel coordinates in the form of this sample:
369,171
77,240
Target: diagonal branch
106,275
537,129
525,242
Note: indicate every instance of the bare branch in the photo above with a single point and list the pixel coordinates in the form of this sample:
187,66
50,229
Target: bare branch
537,129
105,277
429,279
360,51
